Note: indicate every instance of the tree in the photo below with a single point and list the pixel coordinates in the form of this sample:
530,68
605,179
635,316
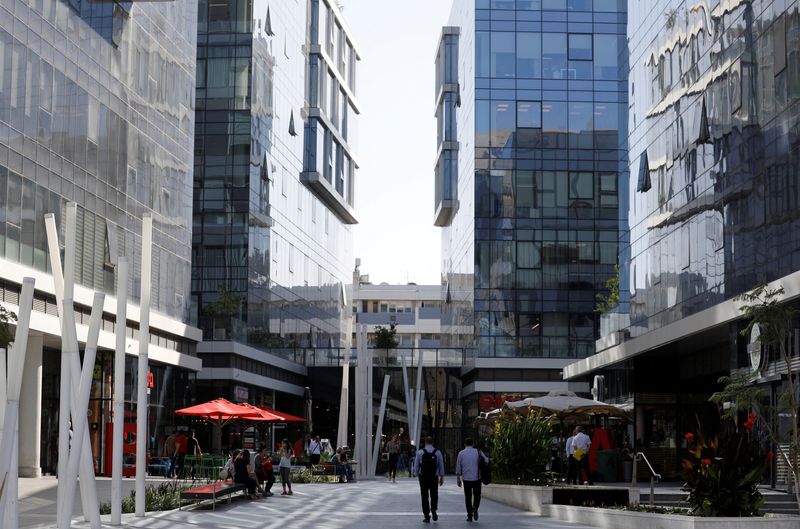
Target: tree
227,305
609,301
385,338
763,308
6,317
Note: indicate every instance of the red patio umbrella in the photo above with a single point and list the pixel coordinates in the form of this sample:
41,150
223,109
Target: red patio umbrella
263,414
284,417
219,412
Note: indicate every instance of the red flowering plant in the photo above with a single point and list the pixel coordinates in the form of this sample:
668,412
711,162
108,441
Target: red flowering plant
723,471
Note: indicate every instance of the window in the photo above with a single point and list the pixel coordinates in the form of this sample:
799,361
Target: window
482,53
503,122
529,114
528,255
526,190
554,116
608,190
503,57
606,56
580,47
529,55
581,186
554,56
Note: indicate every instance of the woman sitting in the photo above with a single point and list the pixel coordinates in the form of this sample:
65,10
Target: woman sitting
242,471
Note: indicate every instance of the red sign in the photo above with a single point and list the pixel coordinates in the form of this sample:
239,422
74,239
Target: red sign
492,401
151,381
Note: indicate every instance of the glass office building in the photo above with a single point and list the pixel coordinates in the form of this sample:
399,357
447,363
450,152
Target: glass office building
712,206
97,108
273,190
531,107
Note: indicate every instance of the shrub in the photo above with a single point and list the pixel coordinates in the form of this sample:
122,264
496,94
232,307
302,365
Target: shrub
520,450
723,472
307,476
163,497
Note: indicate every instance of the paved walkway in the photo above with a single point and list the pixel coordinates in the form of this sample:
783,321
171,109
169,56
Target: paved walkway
366,505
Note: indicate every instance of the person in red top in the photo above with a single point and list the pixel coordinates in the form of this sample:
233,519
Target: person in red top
182,445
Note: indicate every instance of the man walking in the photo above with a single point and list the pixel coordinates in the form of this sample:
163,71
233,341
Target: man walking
468,470
571,463
314,450
170,448
580,445
429,467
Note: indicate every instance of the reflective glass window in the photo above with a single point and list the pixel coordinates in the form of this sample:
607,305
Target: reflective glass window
503,122
580,47
503,57
529,114
554,56
482,54
529,55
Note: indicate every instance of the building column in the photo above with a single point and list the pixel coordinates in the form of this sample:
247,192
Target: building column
30,410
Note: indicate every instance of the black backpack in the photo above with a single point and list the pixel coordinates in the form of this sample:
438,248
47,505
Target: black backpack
428,466
486,469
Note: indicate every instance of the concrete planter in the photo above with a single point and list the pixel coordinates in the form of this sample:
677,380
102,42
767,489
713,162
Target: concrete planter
539,500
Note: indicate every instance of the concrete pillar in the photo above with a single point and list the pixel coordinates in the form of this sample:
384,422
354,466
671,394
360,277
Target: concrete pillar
30,410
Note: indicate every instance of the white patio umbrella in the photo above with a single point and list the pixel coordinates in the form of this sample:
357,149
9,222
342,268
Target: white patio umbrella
565,404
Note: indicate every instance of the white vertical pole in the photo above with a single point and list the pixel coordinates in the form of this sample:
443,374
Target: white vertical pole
420,414
88,489
144,342
418,389
3,389
359,402
371,440
379,429
406,391
79,397
119,391
10,440
344,402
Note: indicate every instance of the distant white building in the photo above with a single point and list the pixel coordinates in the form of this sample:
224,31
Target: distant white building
415,310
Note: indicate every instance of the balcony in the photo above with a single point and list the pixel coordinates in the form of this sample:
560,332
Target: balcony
430,313
386,318
328,195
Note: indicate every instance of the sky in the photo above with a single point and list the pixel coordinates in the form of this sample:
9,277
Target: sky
395,238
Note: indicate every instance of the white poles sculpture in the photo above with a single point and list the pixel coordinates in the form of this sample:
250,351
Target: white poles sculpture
344,402
10,441
70,371
367,446
119,391
414,402
144,343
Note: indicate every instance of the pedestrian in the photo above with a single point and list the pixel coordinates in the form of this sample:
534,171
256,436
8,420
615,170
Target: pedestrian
572,467
181,445
468,471
429,467
170,448
242,471
393,448
263,467
581,443
315,450
286,454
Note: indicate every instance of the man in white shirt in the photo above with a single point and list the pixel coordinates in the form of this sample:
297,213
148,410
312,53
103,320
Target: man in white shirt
314,450
468,471
580,445
571,463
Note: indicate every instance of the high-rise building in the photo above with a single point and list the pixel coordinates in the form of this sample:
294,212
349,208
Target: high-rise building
273,192
713,211
531,105
97,108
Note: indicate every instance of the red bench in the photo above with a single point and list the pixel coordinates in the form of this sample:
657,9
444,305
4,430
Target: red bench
212,491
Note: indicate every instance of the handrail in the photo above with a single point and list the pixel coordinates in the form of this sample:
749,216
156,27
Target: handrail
656,476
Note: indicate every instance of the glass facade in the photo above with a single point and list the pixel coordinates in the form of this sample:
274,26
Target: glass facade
542,138
272,249
714,208
105,124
